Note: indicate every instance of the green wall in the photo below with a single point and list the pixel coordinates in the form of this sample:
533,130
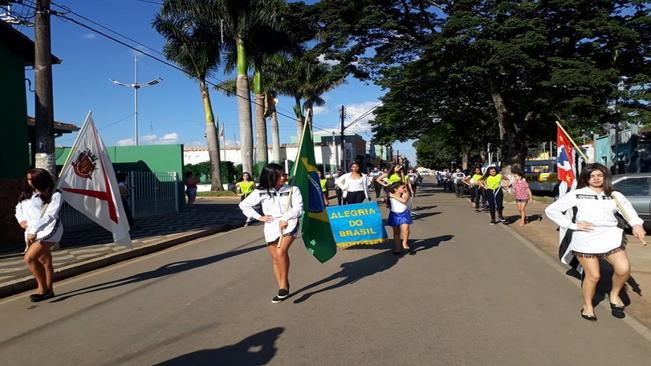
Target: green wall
13,115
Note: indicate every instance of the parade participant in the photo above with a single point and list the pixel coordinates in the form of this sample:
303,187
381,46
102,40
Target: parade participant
374,175
399,215
121,177
191,187
245,186
492,183
522,193
281,207
476,190
37,213
324,186
414,179
596,234
458,182
354,185
338,191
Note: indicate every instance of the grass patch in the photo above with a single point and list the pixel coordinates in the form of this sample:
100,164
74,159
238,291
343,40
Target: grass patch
217,194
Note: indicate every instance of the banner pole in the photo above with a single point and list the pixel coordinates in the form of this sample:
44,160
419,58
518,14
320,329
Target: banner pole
574,143
65,164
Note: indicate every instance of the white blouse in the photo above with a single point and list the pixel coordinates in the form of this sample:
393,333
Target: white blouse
45,225
285,204
348,184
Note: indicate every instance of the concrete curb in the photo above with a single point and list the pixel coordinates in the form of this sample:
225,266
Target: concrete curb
27,283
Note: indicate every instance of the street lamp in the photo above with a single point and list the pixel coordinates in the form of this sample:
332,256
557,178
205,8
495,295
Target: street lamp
135,86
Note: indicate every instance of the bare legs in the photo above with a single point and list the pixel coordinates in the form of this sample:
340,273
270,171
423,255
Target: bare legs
280,260
621,272
398,231
38,259
523,213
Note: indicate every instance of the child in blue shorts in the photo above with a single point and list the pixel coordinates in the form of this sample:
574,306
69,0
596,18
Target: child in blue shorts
400,216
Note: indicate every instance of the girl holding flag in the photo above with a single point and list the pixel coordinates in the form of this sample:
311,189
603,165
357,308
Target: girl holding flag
596,234
37,213
282,205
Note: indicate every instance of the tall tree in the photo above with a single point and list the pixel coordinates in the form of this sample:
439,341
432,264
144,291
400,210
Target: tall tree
194,46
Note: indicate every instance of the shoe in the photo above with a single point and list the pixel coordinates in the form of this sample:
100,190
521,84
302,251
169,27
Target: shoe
617,311
591,318
41,297
493,222
501,219
282,295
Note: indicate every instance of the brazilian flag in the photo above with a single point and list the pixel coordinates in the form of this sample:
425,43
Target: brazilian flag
315,225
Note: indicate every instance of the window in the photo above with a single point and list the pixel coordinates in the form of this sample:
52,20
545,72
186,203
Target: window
634,186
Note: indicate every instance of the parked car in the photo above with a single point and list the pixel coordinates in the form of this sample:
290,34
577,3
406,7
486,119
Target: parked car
637,188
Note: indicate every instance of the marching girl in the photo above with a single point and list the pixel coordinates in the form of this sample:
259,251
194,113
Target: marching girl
395,175
354,185
596,234
475,188
245,186
281,207
522,193
492,182
37,213
324,186
399,216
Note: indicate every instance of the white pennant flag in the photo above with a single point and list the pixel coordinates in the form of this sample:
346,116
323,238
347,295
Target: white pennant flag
87,183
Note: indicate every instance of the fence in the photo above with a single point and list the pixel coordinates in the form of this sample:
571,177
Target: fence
150,193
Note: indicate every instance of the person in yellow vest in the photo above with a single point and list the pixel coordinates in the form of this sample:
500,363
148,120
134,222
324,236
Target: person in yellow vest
476,190
493,182
245,187
324,186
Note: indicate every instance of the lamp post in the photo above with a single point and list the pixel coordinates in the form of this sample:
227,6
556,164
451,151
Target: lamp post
135,86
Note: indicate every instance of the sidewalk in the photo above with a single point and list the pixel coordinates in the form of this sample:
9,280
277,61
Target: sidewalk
542,232
86,250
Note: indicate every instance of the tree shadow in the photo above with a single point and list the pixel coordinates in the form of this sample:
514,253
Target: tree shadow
424,215
420,208
257,349
168,269
352,272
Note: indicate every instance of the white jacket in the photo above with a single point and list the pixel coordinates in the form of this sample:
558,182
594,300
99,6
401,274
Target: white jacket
45,225
285,204
342,182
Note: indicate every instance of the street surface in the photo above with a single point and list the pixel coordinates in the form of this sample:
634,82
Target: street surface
472,294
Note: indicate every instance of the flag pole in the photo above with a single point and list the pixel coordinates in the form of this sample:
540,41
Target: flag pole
65,164
578,149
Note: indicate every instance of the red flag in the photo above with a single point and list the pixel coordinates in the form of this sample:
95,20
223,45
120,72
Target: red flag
565,158
88,183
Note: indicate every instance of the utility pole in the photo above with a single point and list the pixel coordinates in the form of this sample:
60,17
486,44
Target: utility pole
44,108
135,86
343,142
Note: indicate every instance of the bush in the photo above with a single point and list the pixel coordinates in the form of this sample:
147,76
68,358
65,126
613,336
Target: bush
202,170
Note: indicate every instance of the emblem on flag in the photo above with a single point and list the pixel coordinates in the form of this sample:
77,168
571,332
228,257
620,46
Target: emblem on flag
84,165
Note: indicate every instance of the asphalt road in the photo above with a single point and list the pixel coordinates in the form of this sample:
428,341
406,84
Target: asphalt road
472,294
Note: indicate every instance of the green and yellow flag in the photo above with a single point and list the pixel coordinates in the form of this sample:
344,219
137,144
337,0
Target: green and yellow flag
315,225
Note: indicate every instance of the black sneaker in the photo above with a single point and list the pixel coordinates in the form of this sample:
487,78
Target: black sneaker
501,219
493,222
282,295
41,297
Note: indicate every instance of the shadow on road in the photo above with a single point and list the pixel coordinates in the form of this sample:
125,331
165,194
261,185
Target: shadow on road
168,269
352,272
257,349
515,218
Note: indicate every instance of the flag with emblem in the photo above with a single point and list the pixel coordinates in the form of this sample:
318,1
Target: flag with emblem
315,225
87,183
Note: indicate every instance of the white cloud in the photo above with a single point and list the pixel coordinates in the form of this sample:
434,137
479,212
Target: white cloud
90,36
321,58
355,111
126,142
319,110
149,138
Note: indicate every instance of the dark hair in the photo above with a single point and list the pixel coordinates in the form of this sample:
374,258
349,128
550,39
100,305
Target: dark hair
270,175
488,172
584,177
121,176
517,170
355,162
187,174
393,168
247,173
42,182
392,188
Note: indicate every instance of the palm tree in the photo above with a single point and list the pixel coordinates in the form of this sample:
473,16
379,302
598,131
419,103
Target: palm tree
193,46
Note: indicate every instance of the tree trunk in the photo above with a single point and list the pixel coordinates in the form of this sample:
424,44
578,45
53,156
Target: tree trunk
211,139
300,121
262,155
275,138
505,130
244,109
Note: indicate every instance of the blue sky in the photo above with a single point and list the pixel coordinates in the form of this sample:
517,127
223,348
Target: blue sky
170,112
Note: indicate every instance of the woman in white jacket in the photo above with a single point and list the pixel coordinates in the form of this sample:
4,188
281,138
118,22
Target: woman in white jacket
282,205
354,185
37,213
596,234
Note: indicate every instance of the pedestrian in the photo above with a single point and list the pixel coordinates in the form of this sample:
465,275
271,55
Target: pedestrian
522,193
414,179
595,233
245,186
354,185
37,213
121,177
476,190
191,182
338,191
458,182
400,216
374,175
324,186
492,183
281,207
